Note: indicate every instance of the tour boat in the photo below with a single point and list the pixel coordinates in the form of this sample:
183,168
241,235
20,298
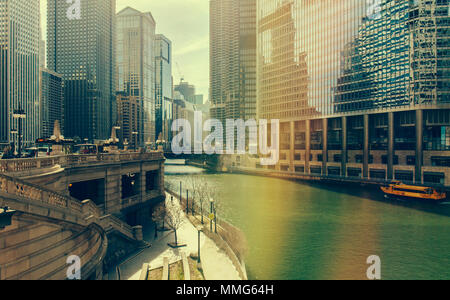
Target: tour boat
403,191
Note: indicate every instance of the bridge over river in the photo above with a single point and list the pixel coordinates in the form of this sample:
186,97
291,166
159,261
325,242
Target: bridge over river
85,205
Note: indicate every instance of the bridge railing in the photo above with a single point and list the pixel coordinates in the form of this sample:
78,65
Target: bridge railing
26,164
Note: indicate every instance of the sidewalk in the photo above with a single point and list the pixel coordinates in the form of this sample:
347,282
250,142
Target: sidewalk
216,264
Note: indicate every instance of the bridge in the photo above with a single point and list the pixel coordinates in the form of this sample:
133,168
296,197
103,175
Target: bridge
91,206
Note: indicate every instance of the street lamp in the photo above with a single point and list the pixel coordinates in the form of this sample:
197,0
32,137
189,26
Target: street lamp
199,229
211,217
5,217
19,115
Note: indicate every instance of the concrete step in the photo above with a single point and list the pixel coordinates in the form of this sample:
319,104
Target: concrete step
48,259
25,234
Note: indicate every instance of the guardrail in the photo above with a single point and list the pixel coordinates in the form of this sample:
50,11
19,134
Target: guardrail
25,164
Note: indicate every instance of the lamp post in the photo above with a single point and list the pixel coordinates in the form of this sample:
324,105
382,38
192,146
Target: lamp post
187,202
199,229
19,115
135,134
211,216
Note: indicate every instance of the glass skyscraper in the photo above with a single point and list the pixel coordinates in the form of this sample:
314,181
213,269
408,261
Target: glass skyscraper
82,51
19,69
135,48
362,88
164,87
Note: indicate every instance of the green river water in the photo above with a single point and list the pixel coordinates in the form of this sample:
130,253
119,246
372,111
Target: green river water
310,231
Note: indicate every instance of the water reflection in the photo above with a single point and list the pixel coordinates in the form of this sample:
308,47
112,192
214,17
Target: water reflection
311,231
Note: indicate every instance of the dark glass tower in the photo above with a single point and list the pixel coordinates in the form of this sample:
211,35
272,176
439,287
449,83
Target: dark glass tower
82,51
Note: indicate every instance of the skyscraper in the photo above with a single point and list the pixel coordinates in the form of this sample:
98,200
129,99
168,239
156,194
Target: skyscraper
51,101
81,49
164,87
361,88
19,69
233,59
136,67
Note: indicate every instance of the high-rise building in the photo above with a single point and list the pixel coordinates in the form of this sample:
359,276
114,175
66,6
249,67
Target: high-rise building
82,50
361,88
233,59
51,101
164,87
186,89
127,120
19,70
135,48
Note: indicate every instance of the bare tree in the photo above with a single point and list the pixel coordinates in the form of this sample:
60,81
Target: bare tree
159,216
194,184
203,196
174,218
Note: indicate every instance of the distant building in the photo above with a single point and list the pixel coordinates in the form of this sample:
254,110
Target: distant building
135,48
83,52
233,59
19,69
127,112
51,101
164,88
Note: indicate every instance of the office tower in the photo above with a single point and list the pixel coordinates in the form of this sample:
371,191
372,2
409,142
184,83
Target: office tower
361,88
51,101
233,59
42,61
81,50
164,87
136,67
127,120
187,90
19,70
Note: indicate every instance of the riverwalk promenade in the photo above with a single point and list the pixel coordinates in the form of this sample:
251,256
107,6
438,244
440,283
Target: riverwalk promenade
215,263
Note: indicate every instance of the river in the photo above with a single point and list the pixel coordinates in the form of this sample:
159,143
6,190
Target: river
311,231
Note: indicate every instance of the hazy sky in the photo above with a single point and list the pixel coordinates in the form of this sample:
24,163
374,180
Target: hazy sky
186,23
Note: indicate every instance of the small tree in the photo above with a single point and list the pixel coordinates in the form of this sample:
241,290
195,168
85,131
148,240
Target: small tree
174,218
194,184
202,197
159,216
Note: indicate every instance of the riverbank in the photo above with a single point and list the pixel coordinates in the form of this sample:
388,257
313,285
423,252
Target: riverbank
215,263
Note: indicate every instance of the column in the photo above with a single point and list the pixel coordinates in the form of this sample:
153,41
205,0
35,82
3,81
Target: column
366,147
324,146
292,146
344,148
391,150
419,145
308,146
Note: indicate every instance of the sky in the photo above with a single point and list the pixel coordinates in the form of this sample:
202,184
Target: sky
186,24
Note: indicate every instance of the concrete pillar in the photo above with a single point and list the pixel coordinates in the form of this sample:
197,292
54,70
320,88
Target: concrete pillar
292,147
419,145
308,146
366,147
324,146
142,181
391,150
344,147
138,233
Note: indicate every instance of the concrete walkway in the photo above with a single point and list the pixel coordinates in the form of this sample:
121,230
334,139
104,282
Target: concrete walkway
216,264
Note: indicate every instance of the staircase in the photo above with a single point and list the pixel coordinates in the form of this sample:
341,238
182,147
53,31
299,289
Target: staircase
48,228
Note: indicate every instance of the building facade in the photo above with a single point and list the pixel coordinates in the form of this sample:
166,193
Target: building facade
19,70
361,88
82,50
187,90
51,101
163,88
233,59
136,67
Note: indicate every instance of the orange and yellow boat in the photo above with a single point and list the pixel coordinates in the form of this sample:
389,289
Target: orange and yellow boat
403,191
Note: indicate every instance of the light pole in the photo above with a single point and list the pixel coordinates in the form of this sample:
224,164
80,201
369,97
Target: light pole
187,202
19,115
199,229
211,216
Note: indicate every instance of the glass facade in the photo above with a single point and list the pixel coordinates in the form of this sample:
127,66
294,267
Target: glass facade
164,87
82,51
136,67
51,101
19,69
351,55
